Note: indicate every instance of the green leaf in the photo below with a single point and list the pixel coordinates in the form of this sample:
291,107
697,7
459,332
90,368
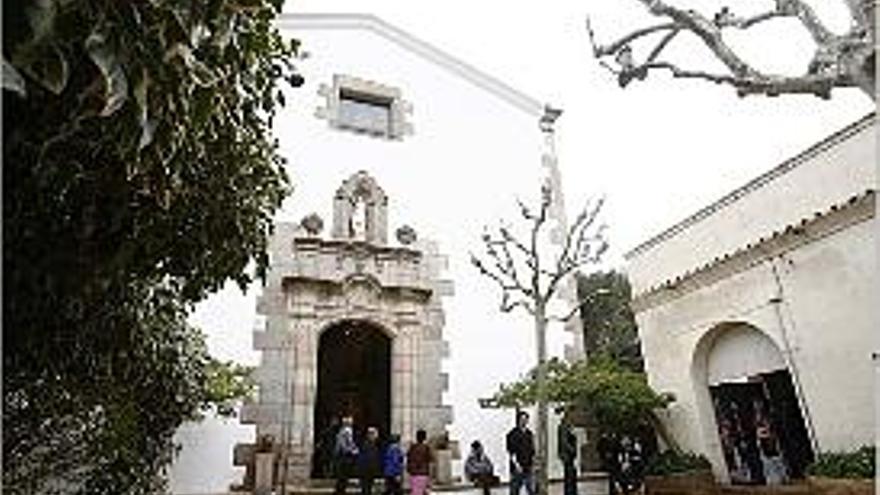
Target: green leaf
41,18
45,64
202,74
115,82
12,80
148,127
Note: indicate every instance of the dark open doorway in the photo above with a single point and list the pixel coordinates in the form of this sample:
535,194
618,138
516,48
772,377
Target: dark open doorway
354,379
762,431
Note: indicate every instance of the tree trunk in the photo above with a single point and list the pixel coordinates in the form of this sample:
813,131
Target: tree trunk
541,460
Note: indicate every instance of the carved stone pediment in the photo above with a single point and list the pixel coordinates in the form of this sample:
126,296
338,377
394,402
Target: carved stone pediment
361,291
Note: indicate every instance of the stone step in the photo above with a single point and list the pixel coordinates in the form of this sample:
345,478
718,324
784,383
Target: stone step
326,486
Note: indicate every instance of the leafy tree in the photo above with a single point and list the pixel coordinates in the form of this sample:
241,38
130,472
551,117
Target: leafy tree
139,176
618,399
227,383
609,324
839,61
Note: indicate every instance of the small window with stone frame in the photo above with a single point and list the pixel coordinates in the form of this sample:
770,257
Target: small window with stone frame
364,112
365,107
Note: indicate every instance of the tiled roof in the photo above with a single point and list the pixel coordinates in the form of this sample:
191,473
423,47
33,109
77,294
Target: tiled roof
793,228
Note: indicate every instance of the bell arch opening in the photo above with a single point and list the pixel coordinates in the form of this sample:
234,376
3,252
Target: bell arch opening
354,379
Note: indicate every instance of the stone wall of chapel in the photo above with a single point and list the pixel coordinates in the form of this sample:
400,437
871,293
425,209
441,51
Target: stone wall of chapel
315,283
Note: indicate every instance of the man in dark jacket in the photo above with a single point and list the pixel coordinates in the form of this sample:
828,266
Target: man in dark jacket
369,461
566,448
609,454
521,447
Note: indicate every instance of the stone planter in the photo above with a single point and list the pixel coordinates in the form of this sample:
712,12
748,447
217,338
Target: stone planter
839,486
691,483
797,488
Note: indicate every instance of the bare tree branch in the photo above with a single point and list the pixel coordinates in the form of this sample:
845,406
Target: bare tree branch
502,253
505,255
846,60
580,235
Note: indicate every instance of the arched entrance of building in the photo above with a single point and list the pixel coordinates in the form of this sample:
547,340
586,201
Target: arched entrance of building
759,423
354,379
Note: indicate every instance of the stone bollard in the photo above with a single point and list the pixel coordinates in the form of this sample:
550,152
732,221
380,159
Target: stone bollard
264,463
443,474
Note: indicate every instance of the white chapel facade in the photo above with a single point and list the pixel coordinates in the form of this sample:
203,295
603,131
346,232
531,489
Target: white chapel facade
759,313
400,154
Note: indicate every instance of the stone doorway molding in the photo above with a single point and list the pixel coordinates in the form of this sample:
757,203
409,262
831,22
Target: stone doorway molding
315,283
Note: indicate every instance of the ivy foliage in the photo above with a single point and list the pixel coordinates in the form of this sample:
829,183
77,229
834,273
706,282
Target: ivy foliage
139,176
618,399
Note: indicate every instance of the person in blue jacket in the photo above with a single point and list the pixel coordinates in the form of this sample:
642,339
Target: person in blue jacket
392,466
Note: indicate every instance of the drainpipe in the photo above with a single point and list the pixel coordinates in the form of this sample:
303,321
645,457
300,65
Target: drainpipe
778,301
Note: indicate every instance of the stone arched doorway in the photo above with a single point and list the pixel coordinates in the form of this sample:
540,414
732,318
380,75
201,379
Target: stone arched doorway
754,413
354,325
353,379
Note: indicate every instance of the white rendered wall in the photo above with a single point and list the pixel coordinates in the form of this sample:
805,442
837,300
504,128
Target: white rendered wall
470,157
815,301
829,286
831,289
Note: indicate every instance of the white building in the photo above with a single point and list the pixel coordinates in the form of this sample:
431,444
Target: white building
449,150
759,312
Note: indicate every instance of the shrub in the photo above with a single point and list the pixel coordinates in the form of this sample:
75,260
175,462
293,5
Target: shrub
671,462
858,464
618,399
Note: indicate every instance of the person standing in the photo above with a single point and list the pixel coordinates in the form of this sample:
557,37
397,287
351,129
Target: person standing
369,461
521,447
418,464
632,464
345,453
323,464
392,466
566,448
478,468
609,455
